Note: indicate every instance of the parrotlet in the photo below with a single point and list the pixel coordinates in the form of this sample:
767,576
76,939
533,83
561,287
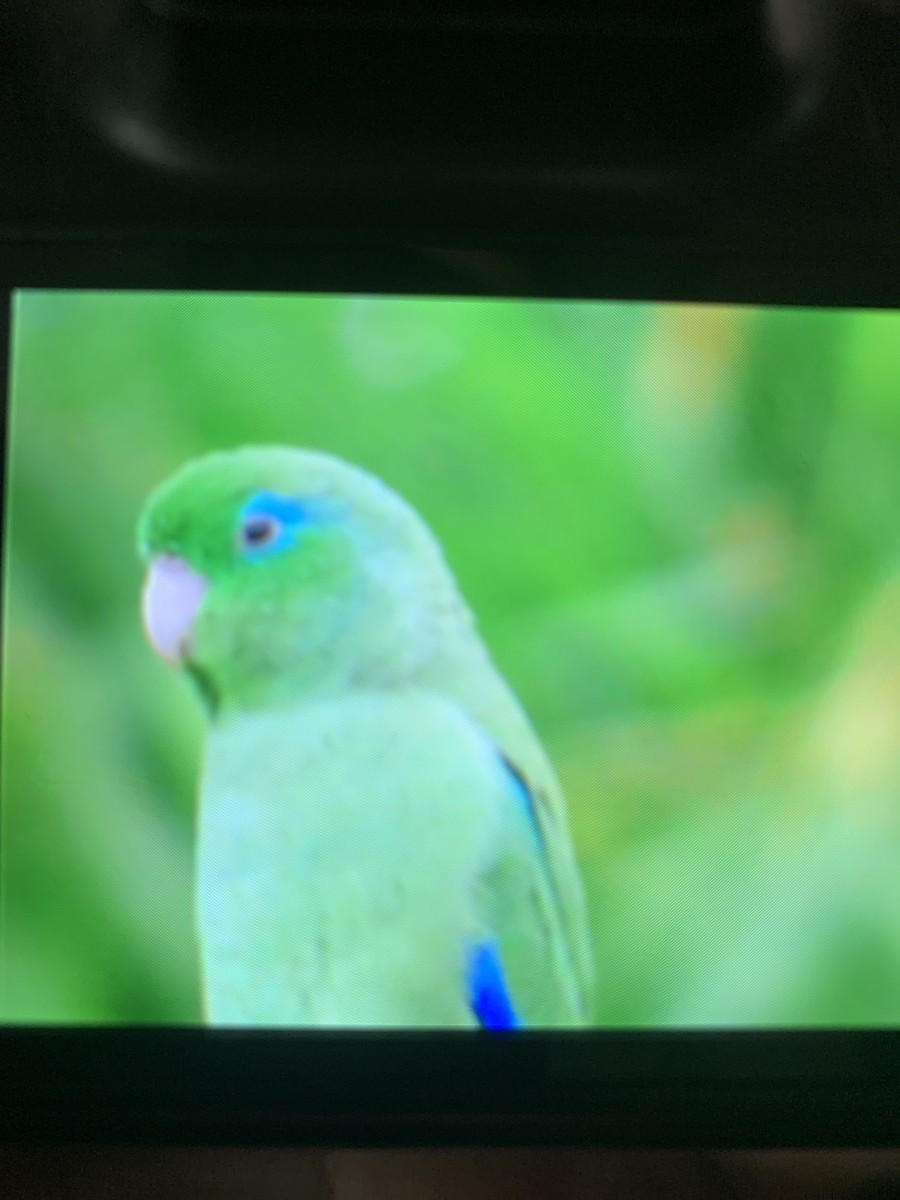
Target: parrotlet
381,839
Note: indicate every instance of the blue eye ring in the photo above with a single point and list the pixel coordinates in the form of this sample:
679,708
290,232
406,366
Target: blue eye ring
270,523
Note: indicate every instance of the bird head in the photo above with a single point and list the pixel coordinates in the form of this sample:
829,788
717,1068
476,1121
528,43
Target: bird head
273,571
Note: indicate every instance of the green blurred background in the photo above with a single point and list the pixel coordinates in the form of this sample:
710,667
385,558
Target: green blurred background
679,528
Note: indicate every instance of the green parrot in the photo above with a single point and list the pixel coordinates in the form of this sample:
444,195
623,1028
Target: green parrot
381,838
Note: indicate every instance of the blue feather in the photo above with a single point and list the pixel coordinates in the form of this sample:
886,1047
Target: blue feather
282,508
290,515
489,996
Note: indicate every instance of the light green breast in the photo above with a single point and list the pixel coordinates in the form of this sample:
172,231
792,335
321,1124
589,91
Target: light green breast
342,847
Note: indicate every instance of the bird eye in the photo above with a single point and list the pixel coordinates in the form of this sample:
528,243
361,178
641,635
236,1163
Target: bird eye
259,530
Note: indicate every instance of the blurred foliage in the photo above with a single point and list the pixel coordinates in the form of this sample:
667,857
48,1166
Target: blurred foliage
679,528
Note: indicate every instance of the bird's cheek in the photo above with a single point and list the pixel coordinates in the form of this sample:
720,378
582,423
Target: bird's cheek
173,595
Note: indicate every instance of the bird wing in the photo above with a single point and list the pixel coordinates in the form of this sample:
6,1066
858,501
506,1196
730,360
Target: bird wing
531,966
538,850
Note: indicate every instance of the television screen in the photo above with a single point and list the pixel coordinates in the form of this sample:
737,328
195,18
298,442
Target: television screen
412,662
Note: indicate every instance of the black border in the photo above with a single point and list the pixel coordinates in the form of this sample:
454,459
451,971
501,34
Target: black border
239,258
720,1088
713,1088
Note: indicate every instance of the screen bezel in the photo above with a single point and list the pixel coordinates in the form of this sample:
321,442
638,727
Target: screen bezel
711,1087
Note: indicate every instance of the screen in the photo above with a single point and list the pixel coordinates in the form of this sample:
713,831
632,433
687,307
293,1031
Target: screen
427,662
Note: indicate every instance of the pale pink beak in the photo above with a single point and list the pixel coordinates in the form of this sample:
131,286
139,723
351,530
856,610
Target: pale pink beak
172,597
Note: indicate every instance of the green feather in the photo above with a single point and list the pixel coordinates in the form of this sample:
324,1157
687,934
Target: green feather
357,830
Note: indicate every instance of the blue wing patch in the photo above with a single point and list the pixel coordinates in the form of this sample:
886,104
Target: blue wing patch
489,996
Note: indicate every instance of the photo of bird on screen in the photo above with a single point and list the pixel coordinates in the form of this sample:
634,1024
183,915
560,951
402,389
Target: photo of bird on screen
381,839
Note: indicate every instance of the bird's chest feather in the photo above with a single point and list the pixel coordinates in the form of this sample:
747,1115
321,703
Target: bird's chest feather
340,846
